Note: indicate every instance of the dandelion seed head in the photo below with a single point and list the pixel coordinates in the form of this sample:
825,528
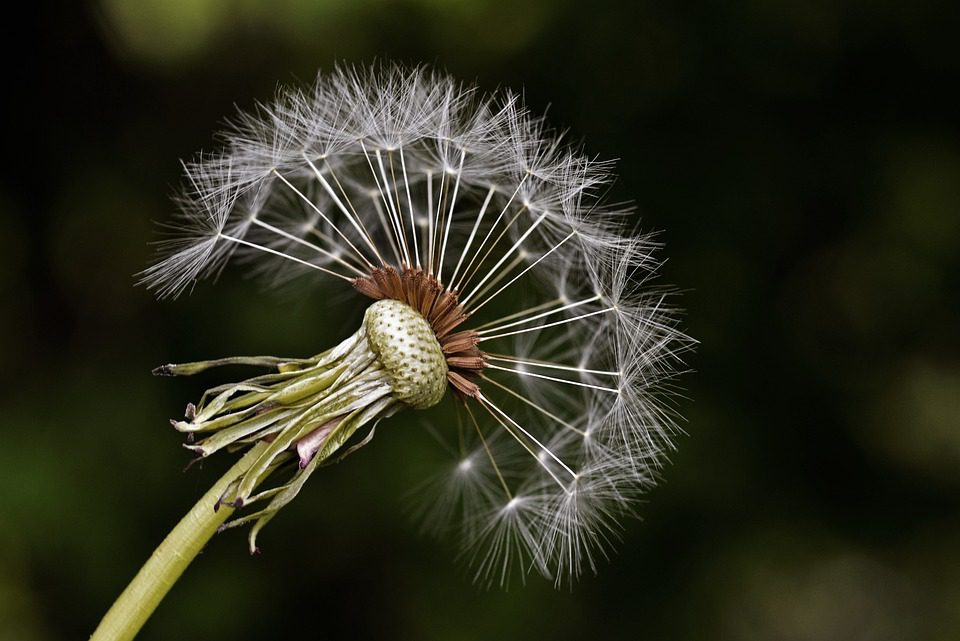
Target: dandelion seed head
561,351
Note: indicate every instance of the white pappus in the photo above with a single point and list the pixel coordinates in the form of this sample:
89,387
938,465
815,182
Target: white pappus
503,285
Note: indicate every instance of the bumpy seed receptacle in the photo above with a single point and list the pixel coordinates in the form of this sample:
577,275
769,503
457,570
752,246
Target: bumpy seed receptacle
408,350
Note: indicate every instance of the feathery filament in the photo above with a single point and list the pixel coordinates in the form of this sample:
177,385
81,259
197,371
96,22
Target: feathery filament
510,281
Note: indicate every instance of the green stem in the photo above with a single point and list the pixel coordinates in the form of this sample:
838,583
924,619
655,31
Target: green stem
132,609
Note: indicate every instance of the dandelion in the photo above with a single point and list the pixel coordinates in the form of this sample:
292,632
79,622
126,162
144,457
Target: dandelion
494,280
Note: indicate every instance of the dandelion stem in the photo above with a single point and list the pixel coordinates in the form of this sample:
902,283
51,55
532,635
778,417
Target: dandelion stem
430,221
395,220
533,405
268,250
446,228
531,266
484,336
549,365
466,278
473,233
142,596
355,219
413,224
300,241
314,207
507,255
554,379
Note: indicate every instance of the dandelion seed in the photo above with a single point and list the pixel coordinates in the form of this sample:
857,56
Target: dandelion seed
491,273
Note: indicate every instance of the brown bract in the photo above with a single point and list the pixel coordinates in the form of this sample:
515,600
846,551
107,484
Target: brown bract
442,309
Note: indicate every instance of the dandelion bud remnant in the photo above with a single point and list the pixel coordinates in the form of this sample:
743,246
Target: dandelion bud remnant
495,274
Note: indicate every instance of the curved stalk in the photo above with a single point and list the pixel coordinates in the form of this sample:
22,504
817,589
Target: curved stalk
142,596
305,412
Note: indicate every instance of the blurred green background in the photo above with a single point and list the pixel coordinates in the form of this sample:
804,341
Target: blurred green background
803,161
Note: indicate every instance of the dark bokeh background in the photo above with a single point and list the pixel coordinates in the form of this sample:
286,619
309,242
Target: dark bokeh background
803,161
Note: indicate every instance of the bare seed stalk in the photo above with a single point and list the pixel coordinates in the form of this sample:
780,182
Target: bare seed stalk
142,596
500,277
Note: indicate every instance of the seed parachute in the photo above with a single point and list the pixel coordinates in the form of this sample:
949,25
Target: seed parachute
494,279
